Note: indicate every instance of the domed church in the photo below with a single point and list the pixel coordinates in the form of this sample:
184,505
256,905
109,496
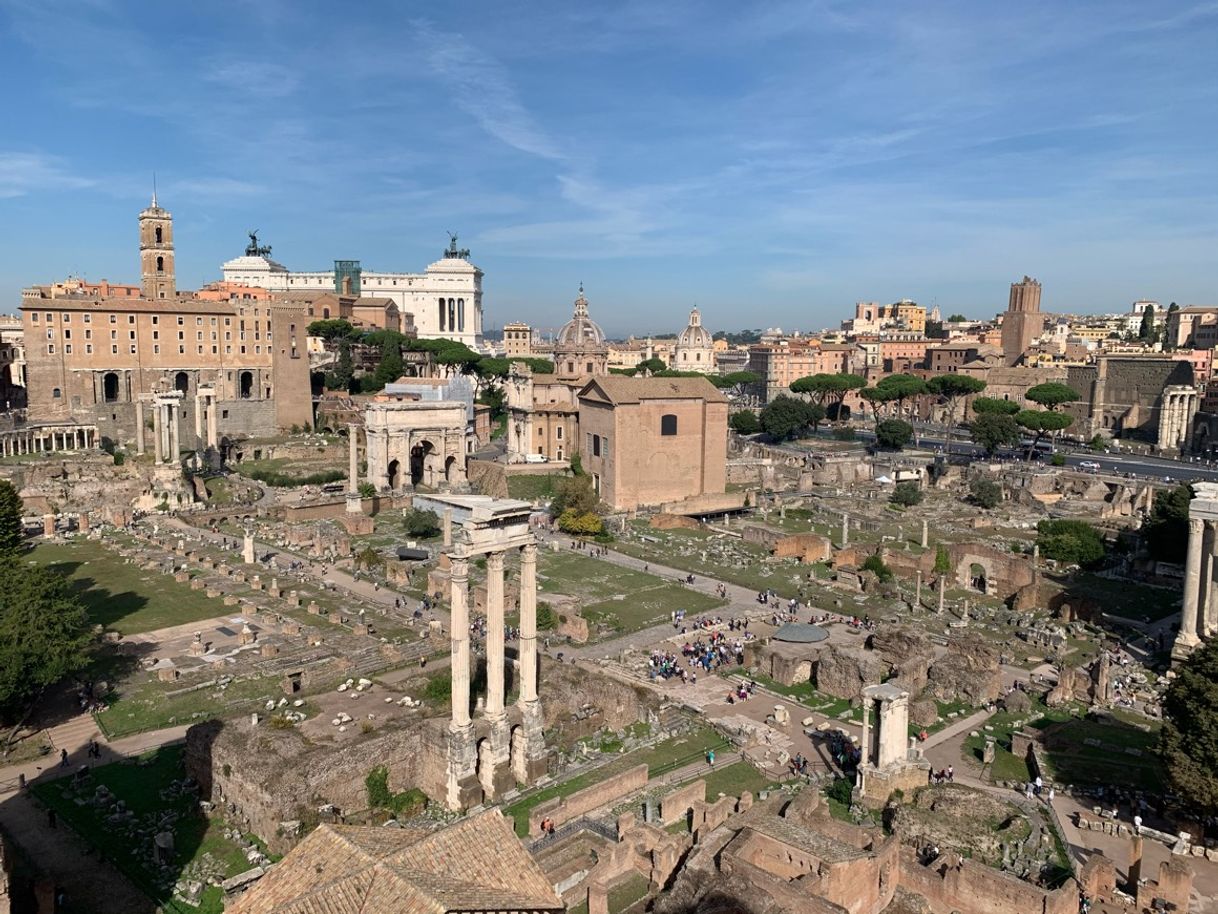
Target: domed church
695,350
580,349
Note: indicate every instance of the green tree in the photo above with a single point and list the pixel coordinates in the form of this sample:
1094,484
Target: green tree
992,431
875,398
876,566
1146,333
1041,422
1052,395
1188,742
12,530
44,635
574,494
1096,443
650,366
901,387
983,405
828,389
736,383
906,494
1166,530
816,415
1169,341
581,523
952,388
893,434
390,367
332,329
785,417
744,422
957,319
984,493
943,561
344,371
1074,542
422,524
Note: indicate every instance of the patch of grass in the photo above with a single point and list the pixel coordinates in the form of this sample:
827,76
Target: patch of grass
1125,755
661,758
734,780
627,892
140,786
1006,766
142,703
219,491
1129,599
120,596
533,487
805,693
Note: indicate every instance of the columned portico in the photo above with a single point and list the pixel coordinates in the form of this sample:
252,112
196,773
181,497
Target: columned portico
165,426
1199,616
487,757
1178,406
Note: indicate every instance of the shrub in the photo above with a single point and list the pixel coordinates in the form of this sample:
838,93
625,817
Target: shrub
893,434
421,523
366,490
985,493
844,433
876,565
439,688
546,619
1058,460
577,523
1072,541
744,422
841,790
907,494
408,802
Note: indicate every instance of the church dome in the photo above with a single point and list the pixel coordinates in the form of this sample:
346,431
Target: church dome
695,336
581,330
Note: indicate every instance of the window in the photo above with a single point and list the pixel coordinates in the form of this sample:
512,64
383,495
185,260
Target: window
113,349
156,334
156,349
180,321
668,424
88,318
67,333
160,264
133,348
88,348
88,334
56,393
50,317
34,316
113,318
131,334
67,318
67,349
198,322
558,433
130,318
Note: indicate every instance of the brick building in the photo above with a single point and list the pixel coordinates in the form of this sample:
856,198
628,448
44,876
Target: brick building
90,356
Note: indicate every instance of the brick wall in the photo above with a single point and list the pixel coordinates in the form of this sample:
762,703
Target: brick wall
564,809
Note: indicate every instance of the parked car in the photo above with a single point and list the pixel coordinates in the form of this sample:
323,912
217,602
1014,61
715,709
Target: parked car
1090,465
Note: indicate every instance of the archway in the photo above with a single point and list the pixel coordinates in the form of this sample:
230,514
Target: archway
418,460
247,385
393,473
448,468
181,381
110,387
977,576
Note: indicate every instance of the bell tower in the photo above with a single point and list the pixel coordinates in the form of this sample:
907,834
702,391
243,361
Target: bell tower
156,253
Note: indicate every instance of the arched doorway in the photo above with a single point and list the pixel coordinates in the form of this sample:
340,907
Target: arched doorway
247,385
181,381
394,474
418,461
449,464
110,387
976,573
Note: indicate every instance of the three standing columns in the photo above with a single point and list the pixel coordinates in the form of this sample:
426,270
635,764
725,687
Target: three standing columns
1199,616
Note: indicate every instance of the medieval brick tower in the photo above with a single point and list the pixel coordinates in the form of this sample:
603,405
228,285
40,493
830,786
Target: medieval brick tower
1022,323
156,253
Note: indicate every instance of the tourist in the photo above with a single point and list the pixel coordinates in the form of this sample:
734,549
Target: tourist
63,758
951,773
710,757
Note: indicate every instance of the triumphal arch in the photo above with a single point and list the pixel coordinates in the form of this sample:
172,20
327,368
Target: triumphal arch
415,442
488,756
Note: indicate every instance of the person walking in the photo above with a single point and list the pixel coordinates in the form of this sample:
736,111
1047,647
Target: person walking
710,757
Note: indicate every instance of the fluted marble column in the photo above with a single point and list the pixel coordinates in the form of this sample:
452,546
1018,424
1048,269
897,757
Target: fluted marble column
1187,637
459,577
528,625
494,636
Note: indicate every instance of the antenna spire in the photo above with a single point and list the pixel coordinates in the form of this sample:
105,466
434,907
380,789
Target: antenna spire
154,190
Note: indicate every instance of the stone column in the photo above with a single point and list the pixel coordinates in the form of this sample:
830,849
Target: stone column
213,439
845,530
942,591
459,577
175,445
158,432
494,635
1187,638
354,505
1135,864
925,539
198,419
1204,591
528,625
448,526
918,592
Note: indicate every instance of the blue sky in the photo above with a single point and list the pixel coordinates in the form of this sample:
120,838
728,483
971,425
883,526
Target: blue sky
772,162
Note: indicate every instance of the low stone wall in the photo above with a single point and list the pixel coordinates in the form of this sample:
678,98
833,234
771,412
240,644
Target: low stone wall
952,883
564,809
807,547
676,804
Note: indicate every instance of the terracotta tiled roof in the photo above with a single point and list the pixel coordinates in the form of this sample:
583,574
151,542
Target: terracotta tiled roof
476,865
622,389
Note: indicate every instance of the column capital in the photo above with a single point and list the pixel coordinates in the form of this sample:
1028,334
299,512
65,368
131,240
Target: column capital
529,552
460,569
494,561
1196,524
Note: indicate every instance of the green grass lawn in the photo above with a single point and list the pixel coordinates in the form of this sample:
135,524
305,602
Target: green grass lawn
141,703
140,786
660,759
120,596
735,779
1125,756
534,487
620,599
219,491
1129,599
1006,766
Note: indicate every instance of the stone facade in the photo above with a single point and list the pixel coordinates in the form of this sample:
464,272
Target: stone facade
650,441
90,359
415,442
1022,323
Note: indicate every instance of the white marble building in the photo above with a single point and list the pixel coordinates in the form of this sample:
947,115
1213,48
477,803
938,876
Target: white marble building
445,299
695,350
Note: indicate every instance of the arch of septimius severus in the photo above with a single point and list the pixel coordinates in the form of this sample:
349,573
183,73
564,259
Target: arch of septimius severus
489,755
1199,618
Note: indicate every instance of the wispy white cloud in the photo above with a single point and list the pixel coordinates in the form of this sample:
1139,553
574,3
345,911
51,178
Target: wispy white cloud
23,173
483,89
252,78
